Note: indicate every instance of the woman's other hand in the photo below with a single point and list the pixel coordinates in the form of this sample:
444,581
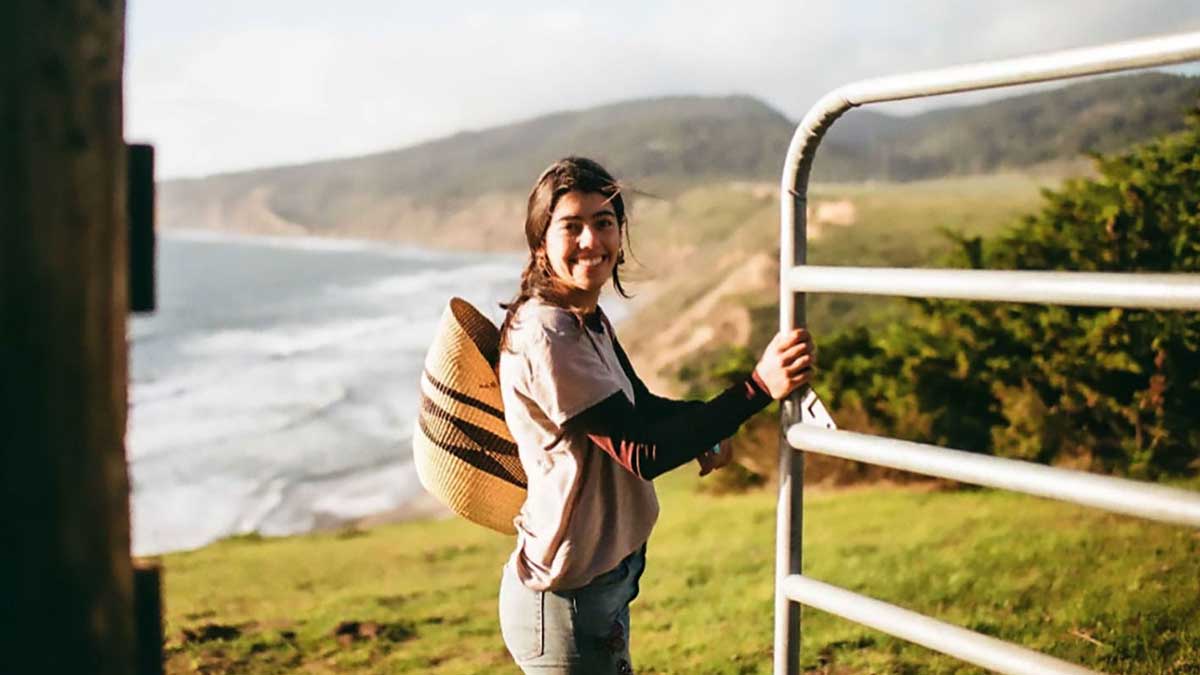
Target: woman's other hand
787,362
710,462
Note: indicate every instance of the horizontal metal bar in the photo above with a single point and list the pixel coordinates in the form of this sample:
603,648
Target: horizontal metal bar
1120,495
1109,58
1144,53
1096,289
981,650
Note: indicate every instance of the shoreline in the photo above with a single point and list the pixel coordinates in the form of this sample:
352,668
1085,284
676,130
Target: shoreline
312,242
422,506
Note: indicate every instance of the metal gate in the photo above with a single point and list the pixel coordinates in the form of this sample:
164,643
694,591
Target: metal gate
1157,291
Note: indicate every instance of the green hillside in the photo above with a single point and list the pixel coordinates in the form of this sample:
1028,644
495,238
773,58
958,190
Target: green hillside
430,193
684,140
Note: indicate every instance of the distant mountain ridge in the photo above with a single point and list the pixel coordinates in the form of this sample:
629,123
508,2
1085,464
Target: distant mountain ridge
477,179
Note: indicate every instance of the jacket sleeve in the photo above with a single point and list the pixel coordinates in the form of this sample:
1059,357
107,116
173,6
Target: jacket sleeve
649,446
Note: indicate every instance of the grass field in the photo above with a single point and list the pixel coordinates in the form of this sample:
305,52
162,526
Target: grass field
1117,594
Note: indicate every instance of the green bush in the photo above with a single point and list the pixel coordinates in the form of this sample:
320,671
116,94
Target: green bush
1113,389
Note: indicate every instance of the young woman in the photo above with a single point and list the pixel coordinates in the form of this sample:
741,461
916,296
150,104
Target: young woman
591,437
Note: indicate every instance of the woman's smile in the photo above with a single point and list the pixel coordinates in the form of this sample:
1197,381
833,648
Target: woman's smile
592,260
596,268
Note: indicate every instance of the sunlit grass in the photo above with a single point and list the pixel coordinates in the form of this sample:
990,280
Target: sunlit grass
1114,593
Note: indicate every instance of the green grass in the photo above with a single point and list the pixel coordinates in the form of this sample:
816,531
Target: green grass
900,224
1114,593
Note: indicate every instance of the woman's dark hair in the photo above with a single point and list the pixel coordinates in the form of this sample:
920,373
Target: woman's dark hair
538,279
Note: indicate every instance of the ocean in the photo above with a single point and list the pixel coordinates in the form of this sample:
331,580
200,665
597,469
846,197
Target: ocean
275,388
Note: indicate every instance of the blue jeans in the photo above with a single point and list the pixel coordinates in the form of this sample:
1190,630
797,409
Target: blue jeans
576,632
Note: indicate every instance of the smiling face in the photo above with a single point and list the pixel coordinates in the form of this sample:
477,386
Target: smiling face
582,243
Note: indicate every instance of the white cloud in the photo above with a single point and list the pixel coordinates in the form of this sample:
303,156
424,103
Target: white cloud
227,85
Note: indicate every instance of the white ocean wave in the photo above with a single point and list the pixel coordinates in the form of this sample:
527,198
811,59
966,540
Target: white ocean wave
292,425
287,341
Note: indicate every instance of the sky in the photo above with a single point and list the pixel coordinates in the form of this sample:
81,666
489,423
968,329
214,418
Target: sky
225,85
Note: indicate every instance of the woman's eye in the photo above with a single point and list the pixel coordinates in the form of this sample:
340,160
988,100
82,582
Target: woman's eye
605,222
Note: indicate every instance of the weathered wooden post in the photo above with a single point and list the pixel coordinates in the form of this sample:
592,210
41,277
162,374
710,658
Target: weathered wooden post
65,574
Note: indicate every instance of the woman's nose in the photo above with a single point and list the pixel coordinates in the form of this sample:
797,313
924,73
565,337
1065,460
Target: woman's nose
587,236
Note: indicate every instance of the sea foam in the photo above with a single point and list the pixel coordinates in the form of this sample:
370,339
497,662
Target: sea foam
278,397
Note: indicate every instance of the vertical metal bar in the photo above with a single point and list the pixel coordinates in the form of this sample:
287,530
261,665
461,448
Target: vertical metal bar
789,527
789,520
789,512
793,251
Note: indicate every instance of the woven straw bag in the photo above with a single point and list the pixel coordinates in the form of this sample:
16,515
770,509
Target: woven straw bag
463,451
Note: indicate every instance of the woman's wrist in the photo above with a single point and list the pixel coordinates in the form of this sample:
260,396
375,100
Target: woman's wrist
759,384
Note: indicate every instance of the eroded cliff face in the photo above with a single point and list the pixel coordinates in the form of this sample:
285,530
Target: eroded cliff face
660,342
488,222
